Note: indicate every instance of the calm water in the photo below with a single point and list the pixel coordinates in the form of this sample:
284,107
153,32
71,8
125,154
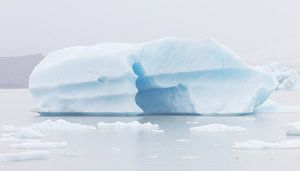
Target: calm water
142,150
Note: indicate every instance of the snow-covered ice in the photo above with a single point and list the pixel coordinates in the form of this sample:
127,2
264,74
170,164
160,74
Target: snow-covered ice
134,125
29,155
293,128
217,128
169,75
60,124
28,145
257,144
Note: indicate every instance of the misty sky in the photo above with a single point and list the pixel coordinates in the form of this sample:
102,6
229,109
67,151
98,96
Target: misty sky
253,28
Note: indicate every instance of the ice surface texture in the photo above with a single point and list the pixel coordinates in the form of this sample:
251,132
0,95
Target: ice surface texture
168,75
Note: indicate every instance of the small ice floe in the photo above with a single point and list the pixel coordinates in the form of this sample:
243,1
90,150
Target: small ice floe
29,145
116,150
157,131
189,157
293,128
72,153
257,144
10,140
192,122
30,155
183,140
60,125
153,156
21,132
217,128
134,125
250,119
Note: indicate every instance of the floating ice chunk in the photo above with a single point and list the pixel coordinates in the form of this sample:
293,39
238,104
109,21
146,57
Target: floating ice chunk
60,124
293,128
30,155
250,119
217,128
38,145
157,131
154,156
189,157
183,140
10,140
134,125
192,122
72,153
257,144
28,133
21,132
9,128
116,150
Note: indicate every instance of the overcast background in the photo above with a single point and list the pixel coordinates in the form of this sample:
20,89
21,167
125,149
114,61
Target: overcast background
255,29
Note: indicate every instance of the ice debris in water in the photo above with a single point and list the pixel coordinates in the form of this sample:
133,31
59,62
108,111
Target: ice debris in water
28,145
286,77
134,125
60,124
257,144
29,155
293,128
217,128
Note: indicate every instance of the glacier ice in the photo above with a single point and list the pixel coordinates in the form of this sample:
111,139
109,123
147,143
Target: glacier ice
169,75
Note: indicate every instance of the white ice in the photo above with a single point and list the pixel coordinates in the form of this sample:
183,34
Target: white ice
29,155
258,144
293,128
217,128
169,75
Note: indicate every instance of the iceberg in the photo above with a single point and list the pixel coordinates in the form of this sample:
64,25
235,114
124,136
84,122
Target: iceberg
169,75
